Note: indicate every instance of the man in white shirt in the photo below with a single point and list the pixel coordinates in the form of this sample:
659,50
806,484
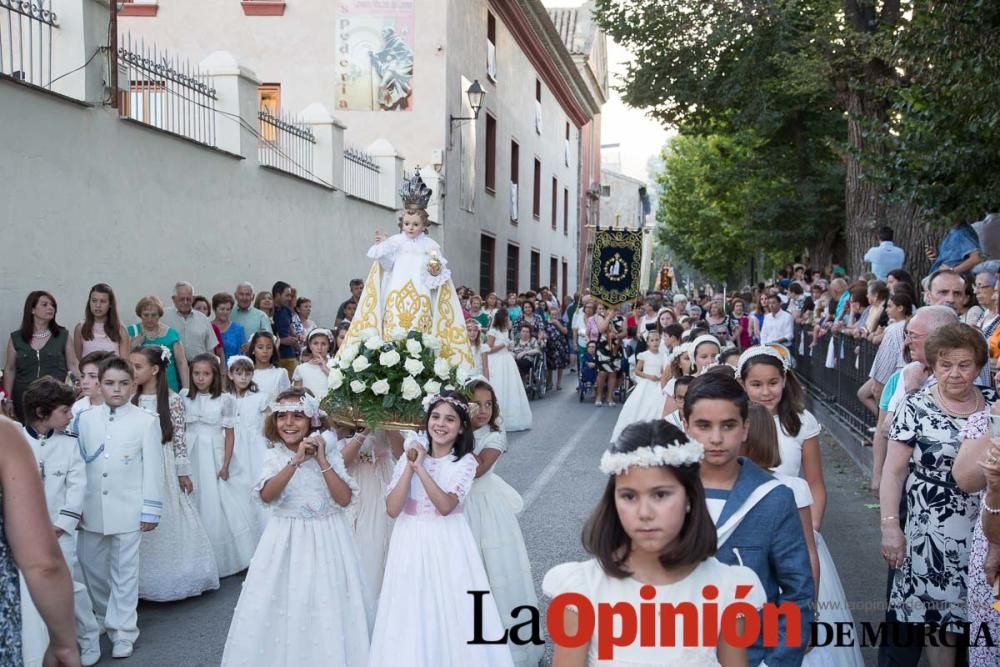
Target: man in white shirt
194,328
779,325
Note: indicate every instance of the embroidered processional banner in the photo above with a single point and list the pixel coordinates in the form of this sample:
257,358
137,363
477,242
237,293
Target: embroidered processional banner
615,265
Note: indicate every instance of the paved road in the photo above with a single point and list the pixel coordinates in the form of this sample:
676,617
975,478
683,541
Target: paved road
554,467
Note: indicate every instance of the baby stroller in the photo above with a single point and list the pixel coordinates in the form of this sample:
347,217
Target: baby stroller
538,378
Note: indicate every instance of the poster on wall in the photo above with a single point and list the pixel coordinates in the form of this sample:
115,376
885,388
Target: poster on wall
375,55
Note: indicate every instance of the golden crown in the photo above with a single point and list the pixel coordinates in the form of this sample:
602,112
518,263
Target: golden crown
414,192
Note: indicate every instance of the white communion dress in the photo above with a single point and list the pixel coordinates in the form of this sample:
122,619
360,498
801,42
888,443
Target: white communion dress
425,613
304,600
225,508
313,378
646,400
176,560
491,508
515,412
271,381
249,445
372,470
588,579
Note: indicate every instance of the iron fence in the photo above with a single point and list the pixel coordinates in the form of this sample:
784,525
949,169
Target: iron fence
834,376
285,144
164,91
361,174
26,40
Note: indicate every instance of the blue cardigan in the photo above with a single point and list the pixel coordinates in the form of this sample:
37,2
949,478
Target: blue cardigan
769,541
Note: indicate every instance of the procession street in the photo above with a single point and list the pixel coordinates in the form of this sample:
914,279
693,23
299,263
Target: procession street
554,467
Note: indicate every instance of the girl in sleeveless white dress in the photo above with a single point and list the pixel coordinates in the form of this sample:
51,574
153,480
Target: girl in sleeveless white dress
304,601
491,508
425,612
225,508
312,374
176,561
250,444
646,400
639,471
267,375
370,464
501,371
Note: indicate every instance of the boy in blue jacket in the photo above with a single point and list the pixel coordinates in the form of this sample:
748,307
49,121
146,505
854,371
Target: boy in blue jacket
755,515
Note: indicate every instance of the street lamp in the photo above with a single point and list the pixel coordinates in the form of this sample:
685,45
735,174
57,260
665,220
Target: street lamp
476,95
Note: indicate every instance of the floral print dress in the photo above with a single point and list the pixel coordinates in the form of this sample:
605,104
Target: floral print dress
10,602
931,585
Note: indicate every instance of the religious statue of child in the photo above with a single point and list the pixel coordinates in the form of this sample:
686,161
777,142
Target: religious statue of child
409,286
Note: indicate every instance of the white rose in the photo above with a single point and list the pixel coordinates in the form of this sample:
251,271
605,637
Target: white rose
374,343
335,378
344,364
357,386
332,363
432,341
367,333
413,366
360,364
463,373
381,387
432,387
389,359
398,333
442,368
414,347
411,389
350,352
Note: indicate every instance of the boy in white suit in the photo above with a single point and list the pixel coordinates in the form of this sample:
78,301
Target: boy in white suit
120,444
47,413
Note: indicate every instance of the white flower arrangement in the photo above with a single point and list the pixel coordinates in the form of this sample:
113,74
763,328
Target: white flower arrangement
411,390
432,387
389,359
374,343
413,366
360,364
357,386
414,347
442,368
335,379
398,333
380,387
672,454
433,342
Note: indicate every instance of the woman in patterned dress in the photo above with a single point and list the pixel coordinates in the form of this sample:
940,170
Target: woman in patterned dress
26,535
556,347
931,553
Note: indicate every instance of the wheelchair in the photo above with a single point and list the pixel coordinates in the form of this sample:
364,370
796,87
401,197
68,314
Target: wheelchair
538,378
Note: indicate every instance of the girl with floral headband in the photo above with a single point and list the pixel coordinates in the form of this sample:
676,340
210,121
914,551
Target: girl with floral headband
176,561
425,611
651,535
304,600
766,375
270,378
312,373
249,442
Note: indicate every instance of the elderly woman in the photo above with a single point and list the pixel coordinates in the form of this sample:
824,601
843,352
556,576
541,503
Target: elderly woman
556,351
38,348
530,316
231,334
985,287
931,554
977,467
150,331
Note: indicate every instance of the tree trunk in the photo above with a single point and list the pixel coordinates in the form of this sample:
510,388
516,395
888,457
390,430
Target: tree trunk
867,210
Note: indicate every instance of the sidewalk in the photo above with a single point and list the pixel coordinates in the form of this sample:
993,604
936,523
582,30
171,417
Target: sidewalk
852,534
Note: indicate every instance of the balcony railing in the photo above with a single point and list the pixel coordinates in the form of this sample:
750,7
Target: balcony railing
361,174
26,40
285,144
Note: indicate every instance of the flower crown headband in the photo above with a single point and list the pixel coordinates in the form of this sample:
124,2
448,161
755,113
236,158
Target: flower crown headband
236,358
763,351
454,402
165,355
672,454
307,405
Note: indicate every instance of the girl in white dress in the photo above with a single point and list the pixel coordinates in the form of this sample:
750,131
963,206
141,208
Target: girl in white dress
646,400
491,508
767,377
270,379
761,447
224,507
501,370
176,560
475,332
249,442
312,374
650,532
425,612
304,601
370,463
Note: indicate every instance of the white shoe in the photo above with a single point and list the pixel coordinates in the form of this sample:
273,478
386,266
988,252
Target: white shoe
90,657
121,649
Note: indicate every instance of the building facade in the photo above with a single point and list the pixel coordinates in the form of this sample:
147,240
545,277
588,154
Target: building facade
508,185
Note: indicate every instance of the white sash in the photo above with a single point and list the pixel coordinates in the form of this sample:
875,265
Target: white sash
732,523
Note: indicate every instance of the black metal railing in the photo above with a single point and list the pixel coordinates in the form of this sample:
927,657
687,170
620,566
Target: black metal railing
833,377
26,40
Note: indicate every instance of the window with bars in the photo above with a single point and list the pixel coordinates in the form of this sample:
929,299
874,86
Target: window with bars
487,257
536,269
513,268
269,100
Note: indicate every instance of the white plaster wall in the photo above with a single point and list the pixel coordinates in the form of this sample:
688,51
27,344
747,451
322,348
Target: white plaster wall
298,50
87,198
